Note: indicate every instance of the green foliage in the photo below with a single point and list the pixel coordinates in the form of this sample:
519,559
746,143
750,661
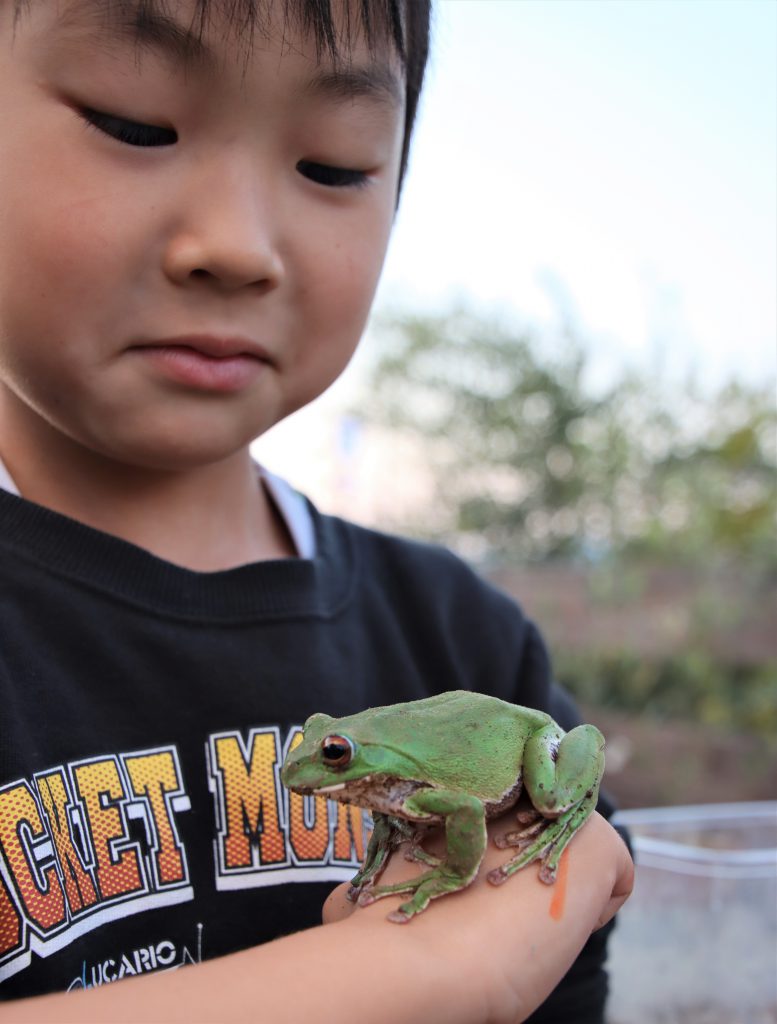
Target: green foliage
533,466
692,685
530,466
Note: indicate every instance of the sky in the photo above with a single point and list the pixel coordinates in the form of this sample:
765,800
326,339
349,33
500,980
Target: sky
610,164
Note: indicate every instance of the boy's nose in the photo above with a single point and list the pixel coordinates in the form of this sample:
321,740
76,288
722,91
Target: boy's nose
228,233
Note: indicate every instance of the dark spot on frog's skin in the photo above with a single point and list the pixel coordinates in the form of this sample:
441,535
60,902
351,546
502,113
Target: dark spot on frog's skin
554,754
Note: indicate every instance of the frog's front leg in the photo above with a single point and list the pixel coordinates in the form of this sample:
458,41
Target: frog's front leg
465,836
561,772
387,834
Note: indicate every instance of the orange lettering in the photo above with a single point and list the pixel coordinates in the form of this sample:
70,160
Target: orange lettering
56,799
249,799
20,827
154,776
10,922
100,788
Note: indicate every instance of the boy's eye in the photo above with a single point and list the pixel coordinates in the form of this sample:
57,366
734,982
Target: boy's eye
334,177
130,132
133,133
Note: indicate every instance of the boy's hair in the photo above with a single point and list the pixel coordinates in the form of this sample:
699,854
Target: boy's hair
405,24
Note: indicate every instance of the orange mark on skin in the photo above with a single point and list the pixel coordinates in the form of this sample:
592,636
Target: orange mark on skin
556,909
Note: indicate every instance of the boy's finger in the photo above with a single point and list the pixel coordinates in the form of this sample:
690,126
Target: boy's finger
624,884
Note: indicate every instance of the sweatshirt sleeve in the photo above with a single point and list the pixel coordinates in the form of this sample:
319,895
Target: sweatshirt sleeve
581,995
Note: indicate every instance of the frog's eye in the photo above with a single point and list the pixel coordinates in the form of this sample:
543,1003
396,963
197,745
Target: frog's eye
336,751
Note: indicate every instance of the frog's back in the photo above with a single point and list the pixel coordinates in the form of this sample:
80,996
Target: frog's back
456,706
459,739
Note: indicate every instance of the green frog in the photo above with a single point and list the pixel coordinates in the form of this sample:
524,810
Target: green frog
456,759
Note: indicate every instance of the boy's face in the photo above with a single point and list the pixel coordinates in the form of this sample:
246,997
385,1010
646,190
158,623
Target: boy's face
164,303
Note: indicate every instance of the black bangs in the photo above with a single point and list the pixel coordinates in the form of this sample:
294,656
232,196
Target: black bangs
378,20
334,25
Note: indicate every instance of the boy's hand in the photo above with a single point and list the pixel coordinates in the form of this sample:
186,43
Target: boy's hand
484,954
516,941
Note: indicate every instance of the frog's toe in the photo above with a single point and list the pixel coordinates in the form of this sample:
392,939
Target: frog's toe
416,905
548,873
365,898
527,817
398,916
497,876
510,840
372,893
521,838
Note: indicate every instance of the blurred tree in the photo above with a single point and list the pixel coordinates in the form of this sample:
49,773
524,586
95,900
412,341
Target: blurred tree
530,465
711,490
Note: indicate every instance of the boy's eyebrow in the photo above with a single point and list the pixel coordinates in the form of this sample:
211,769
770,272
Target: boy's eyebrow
373,81
157,31
153,30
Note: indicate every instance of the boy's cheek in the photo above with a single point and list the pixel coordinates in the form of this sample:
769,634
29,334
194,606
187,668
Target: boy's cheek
55,251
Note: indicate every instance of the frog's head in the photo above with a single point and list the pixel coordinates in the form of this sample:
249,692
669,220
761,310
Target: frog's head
330,756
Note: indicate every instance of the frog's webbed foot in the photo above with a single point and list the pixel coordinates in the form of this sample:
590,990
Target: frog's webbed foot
425,888
544,841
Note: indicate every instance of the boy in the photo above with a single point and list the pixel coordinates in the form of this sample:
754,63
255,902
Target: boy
195,202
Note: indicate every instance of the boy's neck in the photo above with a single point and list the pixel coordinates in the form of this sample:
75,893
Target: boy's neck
208,518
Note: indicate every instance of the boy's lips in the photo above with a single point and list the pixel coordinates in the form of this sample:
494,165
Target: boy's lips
207,362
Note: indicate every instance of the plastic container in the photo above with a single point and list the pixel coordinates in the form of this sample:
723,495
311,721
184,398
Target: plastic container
697,941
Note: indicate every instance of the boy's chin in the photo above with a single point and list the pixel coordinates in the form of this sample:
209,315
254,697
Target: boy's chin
166,454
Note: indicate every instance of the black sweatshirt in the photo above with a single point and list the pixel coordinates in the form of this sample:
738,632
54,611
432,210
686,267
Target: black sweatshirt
145,710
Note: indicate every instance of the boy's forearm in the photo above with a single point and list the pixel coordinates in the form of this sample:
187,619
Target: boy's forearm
363,972
483,955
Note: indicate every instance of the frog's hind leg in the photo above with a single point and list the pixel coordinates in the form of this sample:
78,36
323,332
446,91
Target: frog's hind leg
562,772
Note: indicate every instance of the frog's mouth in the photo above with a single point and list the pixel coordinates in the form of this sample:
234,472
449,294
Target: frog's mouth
384,793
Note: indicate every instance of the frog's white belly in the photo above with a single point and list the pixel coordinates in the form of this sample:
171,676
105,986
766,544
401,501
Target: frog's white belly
387,794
